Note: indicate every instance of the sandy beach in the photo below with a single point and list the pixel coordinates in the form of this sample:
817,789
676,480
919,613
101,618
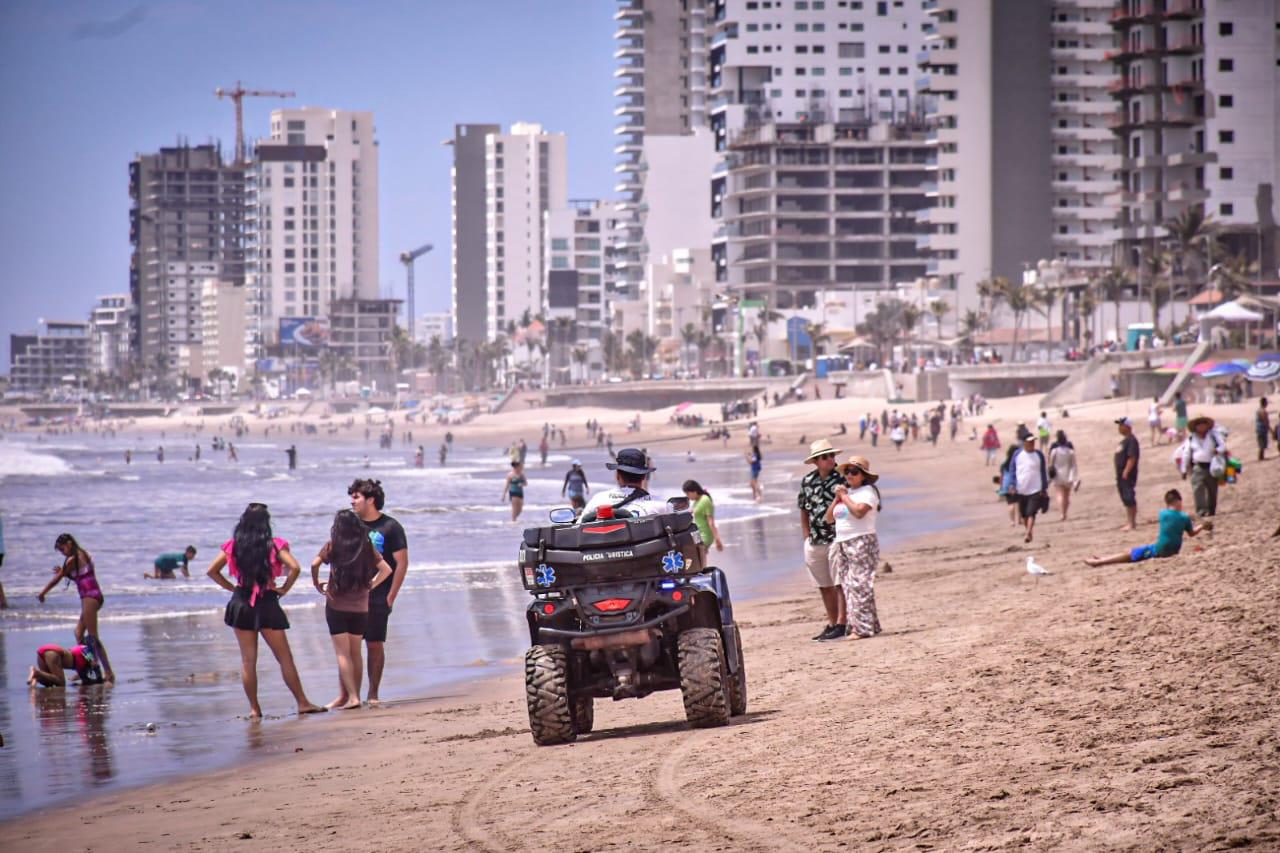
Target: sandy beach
1118,707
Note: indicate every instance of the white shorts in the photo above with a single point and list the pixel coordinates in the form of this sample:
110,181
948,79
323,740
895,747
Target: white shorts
817,561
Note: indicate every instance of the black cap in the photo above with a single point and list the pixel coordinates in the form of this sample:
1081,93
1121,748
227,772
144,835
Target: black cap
631,461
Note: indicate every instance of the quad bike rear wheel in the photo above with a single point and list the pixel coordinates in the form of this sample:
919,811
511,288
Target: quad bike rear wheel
546,687
704,677
738,683
583,710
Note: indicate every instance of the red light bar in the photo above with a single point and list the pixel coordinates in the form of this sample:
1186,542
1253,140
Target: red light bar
604,512
610,605
608,528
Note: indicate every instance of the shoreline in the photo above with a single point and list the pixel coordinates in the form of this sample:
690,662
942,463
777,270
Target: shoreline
1068,710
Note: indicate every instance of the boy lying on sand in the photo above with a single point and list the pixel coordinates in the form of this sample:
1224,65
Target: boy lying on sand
1173,523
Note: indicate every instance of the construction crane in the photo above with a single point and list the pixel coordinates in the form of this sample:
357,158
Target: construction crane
407,258
237,96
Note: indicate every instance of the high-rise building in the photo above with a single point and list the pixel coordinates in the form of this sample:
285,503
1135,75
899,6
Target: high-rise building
579,255
988,63
435,324
662,76
469,232
526,175
185,224
59,355
1199,118
824,163
311,226
109,333
222,309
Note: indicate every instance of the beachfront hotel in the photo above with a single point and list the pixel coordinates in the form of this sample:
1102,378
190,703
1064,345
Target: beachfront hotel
579,256
311,220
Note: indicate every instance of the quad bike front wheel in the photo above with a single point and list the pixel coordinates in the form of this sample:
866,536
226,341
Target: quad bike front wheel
738,683
546,687
704,677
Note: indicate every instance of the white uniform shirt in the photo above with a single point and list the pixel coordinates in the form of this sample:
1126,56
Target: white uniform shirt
639,506
1197,450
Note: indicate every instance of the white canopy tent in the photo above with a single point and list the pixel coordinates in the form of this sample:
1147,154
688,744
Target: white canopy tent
1233,312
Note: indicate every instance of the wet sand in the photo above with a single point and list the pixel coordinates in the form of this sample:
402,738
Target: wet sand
1108,708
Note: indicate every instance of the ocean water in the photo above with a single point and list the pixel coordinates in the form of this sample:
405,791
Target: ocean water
460,614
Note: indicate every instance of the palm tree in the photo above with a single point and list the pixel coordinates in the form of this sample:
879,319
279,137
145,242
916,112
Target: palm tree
990,293
638,352
883,327
1041,300
1111,285
1160,284
1235,276
689,338
939,308
1087,306
819,337
580,359
1192,234
972,323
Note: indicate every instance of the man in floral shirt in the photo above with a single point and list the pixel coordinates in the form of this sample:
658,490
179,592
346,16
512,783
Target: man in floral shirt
817,492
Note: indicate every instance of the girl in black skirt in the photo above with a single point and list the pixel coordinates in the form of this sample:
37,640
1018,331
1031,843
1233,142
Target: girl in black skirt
255,560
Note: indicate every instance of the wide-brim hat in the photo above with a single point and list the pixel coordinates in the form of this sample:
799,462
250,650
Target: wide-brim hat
862,464
1200,419
821,447
632,461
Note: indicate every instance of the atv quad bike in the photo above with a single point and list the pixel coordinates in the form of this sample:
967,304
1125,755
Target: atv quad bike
623,607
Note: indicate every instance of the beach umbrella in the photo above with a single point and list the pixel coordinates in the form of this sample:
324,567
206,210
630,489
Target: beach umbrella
1226,368
1266,368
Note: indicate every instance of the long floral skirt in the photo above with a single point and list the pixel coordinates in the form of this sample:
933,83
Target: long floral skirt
854,562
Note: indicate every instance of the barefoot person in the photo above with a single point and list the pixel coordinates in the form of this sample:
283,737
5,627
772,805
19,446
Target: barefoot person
1126,462
387,536
1030,483
1173,523
704,516
354,569
1063,471
256,559
817,493
169,562
855,553
52,660
77,566
513,489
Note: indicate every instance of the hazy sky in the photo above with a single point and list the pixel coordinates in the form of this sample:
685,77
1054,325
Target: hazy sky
84,86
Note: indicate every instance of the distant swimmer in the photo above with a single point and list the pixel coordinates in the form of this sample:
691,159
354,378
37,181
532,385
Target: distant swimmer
167,563
293,457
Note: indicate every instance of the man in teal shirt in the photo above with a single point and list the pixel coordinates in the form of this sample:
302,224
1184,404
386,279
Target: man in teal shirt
169,562
1173,524
1180,415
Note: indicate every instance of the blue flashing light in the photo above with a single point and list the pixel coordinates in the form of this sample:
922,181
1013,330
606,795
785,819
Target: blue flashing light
667,585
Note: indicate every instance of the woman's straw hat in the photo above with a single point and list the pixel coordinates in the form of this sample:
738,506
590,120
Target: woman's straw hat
821,447
862,464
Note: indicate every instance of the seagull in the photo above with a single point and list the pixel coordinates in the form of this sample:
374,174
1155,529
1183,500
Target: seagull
1034,568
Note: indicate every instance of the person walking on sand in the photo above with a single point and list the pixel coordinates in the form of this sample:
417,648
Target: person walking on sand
1153,421
817,493
1030,484
1262,427
1180,415
898,435
1126,465
1173,524
389,540
255,559
990,444
354,569
855,552
874,429
77,567
1044,429
1063,471
1203,445
513,489
704,516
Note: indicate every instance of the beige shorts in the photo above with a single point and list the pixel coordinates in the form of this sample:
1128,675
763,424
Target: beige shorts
817,561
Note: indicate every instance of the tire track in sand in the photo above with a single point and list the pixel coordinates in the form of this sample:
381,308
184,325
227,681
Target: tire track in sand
466,813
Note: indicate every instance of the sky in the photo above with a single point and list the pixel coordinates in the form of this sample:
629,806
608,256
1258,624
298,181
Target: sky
86,86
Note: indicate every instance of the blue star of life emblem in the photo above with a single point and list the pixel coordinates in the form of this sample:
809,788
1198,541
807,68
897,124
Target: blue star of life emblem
672,562
545,575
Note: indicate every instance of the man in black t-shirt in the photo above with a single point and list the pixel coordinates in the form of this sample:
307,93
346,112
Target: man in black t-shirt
367,499
1126,461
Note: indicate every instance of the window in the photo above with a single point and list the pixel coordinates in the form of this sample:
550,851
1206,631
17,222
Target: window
818,72
802,28
884,71
1225,28
884,48
882,9
852,50
1226,101
846,72
802,48
1226,173
819,28
1226,209
1226,64
1226,136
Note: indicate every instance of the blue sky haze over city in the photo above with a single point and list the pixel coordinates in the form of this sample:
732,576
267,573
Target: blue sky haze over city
86,86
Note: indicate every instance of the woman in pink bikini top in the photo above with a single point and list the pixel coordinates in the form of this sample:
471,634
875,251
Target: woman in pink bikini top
78,566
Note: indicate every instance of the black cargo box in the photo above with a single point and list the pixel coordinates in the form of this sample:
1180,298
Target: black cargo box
623,549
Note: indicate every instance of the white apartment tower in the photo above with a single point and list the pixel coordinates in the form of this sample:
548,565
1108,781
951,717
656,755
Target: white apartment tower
312,218
579,255
1199,125
109,323
525,175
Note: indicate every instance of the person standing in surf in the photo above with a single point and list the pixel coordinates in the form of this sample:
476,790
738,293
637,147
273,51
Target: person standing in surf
388,538
256,559
77,566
